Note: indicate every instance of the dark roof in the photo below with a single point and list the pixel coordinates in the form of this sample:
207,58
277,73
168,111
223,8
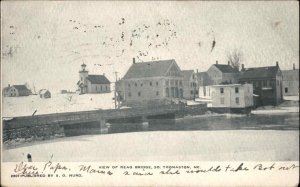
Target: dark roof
224,68
260,72
98,79
149,69
187,74
21,87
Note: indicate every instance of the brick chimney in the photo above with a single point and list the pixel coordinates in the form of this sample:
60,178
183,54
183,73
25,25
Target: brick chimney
294,67
277,64
133,60
216,62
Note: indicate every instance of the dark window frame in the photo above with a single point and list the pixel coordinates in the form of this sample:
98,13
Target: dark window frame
221,90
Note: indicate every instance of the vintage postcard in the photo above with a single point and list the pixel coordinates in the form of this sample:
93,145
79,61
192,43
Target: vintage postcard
149,93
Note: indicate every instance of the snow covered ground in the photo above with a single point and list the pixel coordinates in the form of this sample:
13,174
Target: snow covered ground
289,105
291,98
277,110
25,106
237,145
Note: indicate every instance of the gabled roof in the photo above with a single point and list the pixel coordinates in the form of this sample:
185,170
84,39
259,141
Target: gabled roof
149,69
98,79
260,72
187,74
224,68
21,87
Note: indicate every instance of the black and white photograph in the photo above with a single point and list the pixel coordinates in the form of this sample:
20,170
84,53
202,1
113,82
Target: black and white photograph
149,81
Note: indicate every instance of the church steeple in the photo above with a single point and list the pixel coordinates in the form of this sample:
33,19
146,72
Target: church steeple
83,76
83,66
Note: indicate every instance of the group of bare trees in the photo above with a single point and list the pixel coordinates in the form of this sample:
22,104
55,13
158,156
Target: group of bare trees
235,58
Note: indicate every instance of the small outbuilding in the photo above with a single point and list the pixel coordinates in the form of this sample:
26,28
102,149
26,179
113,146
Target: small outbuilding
44,93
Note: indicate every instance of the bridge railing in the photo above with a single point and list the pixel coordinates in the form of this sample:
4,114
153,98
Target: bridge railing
86,116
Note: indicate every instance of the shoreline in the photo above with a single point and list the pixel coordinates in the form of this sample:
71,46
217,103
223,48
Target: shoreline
188,145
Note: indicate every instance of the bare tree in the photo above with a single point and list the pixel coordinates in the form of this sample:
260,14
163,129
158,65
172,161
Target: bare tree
235,58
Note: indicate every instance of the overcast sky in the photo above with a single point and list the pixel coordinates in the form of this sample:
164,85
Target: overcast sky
44,43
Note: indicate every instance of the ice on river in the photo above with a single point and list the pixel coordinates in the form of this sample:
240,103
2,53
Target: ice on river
228,145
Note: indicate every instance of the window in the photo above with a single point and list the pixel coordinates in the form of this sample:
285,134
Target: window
237,100
286,90
167,82
197,92
192,92
129,94
96,88
139,94
176,82
264,83
135,84
141,84
222,100
150,83
156,83
260,84
128,85
157,93
106,88
180,83
167,92
81,78
221,90
237,90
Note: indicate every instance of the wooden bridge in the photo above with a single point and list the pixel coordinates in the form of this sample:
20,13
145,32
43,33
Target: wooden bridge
91,116
91,122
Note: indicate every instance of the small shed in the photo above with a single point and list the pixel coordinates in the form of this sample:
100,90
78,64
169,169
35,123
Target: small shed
44,93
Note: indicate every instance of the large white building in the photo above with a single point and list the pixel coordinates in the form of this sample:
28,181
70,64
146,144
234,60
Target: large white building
232,97
150,83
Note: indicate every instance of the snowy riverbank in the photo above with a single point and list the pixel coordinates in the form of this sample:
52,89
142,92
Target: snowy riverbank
287,106
25,106
237,145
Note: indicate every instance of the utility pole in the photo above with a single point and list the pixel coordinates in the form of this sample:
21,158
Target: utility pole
116,73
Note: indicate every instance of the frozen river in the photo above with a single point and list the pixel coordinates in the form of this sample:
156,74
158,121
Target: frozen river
287,121
202,138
